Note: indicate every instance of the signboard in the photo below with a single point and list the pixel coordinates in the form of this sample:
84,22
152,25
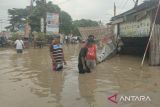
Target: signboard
135,29
42,24
52,23
21,27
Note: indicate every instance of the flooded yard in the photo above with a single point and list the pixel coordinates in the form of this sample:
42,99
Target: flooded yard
26,80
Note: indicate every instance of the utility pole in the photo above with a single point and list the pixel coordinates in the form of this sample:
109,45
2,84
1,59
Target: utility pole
43,18
31,5
136,3
44,12
1,26
115,12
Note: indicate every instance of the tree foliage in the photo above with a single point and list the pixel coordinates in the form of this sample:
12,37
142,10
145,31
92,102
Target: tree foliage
83,23
17,18
39,11
65,23
33,14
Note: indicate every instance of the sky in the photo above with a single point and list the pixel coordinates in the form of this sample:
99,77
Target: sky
98,10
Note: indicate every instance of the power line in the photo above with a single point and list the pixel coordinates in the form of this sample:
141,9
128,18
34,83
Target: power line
61,3
117,1
130,3
121,3
124,4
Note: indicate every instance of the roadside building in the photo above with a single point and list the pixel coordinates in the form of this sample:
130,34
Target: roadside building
4,38
134,29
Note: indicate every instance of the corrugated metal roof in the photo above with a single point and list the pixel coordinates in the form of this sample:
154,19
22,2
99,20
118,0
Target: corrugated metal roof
146,5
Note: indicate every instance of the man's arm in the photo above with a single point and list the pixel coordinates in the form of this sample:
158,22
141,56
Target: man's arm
96,53
83,62
21,41
15,42
51,54
83,55
63,57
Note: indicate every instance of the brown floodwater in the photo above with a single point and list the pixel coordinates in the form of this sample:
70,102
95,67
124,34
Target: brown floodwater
26,80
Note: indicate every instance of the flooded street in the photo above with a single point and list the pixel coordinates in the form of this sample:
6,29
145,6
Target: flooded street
27,81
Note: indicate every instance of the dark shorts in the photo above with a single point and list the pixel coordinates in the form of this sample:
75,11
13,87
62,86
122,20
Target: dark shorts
55,67
19,51
81,70
91,64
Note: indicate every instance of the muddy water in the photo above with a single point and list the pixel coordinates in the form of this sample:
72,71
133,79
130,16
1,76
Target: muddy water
27,81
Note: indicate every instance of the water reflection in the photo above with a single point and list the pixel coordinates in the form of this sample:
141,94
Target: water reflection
29,75
87,86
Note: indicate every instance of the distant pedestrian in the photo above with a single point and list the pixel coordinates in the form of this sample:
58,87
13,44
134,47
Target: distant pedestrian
81,59
56,53
66,39
61,39
119,45
19,45
91,53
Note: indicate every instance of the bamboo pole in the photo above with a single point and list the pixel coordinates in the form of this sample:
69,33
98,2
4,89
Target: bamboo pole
153,26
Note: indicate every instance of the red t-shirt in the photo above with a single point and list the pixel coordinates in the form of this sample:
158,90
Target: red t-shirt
91,52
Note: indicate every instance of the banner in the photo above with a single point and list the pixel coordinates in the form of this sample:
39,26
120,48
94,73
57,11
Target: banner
135,29
42,24
52,26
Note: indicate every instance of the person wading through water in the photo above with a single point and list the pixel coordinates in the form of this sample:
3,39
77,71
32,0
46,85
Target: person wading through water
82,67
91,58
19,45
56,53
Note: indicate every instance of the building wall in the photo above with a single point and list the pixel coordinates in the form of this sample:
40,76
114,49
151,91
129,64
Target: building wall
135,28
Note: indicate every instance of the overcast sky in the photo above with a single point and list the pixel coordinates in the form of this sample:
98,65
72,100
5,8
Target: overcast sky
78,9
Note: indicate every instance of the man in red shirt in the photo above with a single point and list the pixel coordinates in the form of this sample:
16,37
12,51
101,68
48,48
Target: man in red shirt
81,59
91,53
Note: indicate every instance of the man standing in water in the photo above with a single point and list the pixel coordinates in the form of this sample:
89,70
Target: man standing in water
56,53
19,45
91,53
81,59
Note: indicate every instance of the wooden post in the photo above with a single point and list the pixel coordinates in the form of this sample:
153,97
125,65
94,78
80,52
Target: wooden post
155,47
152,31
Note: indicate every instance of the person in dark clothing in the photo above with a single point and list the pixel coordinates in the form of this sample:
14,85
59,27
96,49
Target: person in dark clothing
81,59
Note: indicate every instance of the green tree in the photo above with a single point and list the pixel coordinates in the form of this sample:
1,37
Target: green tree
40,11
36,14
65,23
33,14
83,23
18,17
